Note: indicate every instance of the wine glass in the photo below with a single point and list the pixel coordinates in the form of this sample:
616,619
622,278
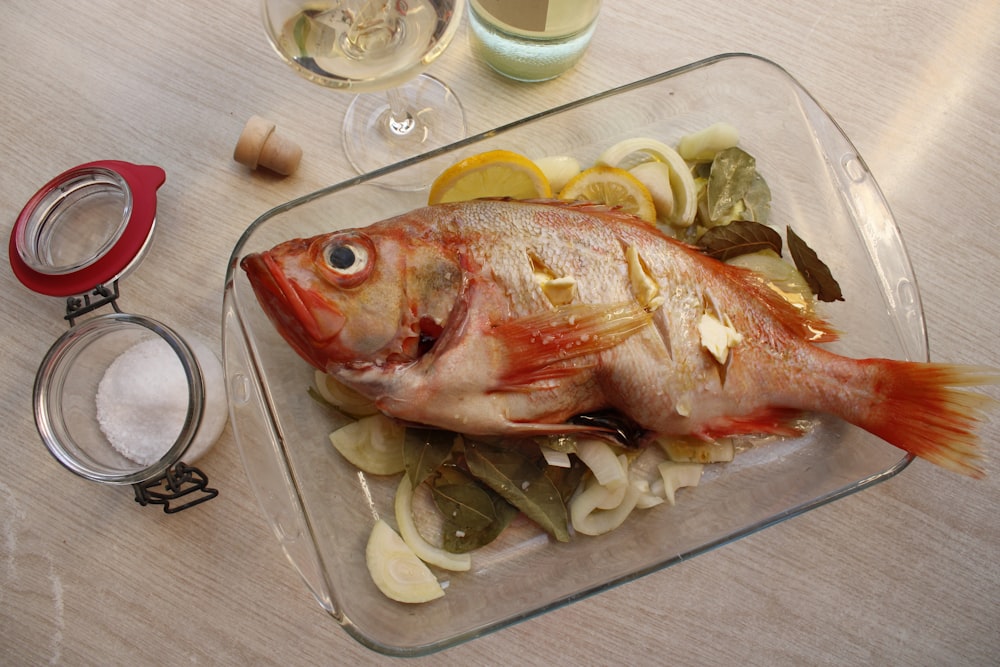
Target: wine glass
376,45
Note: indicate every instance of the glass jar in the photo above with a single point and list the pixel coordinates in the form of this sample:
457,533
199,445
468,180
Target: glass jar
81,415
119,398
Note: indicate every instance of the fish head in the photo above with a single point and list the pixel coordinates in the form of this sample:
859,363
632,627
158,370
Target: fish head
355,297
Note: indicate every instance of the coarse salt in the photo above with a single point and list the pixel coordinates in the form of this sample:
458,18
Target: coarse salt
142,401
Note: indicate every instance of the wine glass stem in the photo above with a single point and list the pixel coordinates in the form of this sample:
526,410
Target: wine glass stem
401,122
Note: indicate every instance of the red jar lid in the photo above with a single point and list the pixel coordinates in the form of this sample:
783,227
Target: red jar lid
86,227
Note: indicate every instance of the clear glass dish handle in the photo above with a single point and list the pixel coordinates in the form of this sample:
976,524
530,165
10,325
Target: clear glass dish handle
265,465
877,226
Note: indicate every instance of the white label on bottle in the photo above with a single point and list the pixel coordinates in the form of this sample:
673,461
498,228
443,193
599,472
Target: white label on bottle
521,14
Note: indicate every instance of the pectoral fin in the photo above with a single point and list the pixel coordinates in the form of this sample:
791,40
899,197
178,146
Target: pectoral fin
538,347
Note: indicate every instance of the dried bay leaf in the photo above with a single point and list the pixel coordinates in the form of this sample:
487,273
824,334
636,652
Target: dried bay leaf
739,238
459,541
467,506
474,515
758,200
424,450
567,480
733,171
813,269
521,483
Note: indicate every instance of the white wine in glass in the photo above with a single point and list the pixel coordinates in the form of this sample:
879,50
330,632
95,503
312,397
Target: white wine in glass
368,46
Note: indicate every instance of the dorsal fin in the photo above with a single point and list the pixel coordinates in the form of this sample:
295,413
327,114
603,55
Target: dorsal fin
805,325
581,205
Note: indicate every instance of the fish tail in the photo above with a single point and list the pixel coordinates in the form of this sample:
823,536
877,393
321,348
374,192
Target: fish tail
925,410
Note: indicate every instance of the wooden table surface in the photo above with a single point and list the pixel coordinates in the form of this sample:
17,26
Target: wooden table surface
905,573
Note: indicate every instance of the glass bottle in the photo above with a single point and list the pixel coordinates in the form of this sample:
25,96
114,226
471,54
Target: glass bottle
531,40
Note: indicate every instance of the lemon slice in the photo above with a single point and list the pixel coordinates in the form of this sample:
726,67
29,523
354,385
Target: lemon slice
613,187
496,173
630,153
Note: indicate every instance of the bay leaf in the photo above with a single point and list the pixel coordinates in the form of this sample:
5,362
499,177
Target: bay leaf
466,504
813,269
758,200
739,238
521,483
424,450
733,171
566,480
451,472
457,541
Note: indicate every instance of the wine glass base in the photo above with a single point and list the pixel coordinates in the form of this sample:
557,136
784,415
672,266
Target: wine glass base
372,140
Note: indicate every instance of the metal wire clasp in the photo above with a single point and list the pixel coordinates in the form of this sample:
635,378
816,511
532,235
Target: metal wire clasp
82,304
177,482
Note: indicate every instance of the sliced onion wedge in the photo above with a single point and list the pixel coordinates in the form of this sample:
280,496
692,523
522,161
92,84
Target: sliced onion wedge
586,511
603,462
656,177
341,396
679,475
629,153
703,145
424,550
396,570
373,444
559,169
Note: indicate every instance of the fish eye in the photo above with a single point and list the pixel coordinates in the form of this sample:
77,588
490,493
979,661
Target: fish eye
341,257
344,259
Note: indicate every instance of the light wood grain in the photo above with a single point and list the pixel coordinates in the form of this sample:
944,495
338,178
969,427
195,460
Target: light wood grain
905,573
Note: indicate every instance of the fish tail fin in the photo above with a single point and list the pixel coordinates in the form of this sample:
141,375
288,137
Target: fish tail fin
926,410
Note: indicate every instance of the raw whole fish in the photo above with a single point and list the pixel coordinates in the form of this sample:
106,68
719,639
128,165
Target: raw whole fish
495,317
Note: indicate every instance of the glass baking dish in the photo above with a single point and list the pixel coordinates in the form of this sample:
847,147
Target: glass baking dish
321,508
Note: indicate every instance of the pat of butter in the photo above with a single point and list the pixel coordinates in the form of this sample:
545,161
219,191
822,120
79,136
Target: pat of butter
645,288
683,407
717,337
541,277
559,291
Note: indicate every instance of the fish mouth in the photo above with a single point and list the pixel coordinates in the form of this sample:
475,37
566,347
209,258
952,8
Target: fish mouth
307,321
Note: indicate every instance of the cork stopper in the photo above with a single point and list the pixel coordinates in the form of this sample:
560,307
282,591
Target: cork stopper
260,146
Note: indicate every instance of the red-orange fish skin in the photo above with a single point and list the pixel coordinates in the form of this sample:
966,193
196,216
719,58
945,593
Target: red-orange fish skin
439,315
